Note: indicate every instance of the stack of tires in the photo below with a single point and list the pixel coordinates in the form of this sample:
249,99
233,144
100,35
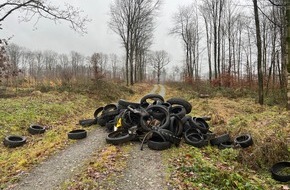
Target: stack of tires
160,124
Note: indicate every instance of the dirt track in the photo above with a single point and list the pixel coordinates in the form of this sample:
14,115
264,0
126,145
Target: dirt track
145,169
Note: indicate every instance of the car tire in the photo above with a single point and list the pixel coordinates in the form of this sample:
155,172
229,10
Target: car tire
277,168
155,97
77,134
36,129
220,139
123,104
227,144
195,140
119,137
180,101
244,140
88,122
156,145
13,141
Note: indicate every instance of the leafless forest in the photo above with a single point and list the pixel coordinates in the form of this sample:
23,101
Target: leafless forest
242,43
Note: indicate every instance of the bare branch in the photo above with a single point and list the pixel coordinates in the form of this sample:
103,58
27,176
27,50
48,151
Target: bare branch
44,9
275,4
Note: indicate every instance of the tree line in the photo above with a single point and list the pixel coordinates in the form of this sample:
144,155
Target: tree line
241,43
22,65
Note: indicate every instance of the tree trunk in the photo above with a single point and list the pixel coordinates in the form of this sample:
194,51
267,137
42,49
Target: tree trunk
259,56
288,50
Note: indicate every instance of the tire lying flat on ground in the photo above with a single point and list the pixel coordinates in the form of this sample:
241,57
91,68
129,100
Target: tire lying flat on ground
244,140
119,137
278,173
88,122
13,141
220,139
36,129
77,134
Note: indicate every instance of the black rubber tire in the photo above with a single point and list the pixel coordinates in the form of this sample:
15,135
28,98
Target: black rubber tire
156,145
244,140
88,122
227,144
107,116
276,168
155,97
220,139
13,141
119,137
110,125
181,101
202,124
36,129
192,130
98,112
158,142
194,124
77,134
209,135
123,104
157,111
110,107
178,110
176,125
102,122
166,104
185,123
169,136
144,118
195,140
129,119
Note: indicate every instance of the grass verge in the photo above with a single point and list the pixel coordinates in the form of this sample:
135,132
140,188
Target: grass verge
59,112
211,168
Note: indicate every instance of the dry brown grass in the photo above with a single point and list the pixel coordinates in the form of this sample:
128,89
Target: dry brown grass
268,125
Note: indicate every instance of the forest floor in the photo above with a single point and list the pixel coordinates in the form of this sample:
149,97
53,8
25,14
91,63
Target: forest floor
51,161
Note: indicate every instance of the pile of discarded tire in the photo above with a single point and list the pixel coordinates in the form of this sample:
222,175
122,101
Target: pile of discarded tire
159,123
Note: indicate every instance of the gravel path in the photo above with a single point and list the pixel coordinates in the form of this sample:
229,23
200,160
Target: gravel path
145,169
60,167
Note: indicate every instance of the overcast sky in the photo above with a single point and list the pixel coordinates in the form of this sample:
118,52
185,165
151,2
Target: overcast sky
47,35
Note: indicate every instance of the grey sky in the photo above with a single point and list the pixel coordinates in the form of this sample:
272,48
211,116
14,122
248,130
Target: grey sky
47,35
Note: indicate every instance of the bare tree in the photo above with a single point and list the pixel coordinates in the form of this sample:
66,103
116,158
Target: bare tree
288,48
132,20
44,9
5,65
114,66
214,9
158,60
50,61
66,72
77,59
14,52
186,27
259,55
99,61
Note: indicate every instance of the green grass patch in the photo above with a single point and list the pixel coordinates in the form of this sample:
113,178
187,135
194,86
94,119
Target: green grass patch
59,112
